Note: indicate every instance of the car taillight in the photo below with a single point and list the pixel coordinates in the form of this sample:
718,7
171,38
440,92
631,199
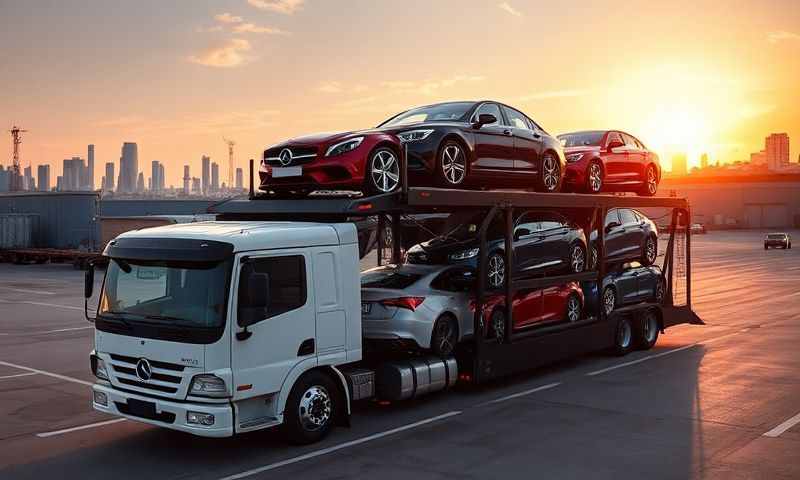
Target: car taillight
410,303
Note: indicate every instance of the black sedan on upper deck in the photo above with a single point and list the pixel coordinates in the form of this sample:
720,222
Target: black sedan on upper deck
483,144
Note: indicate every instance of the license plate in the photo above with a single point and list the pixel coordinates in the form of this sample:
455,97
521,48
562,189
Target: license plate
366,307
142,409
283,172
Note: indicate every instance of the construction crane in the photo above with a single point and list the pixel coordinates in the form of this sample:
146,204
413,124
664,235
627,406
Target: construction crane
230,144
15,185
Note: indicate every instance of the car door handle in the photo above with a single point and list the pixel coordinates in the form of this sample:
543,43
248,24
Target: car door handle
537,135
507,132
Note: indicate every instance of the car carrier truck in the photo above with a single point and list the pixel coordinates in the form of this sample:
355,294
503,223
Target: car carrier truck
254,320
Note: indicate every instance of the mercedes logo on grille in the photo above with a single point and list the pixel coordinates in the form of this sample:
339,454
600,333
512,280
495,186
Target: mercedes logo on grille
143,369
285,157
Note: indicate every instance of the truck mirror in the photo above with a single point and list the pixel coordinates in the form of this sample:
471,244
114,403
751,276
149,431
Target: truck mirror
88,281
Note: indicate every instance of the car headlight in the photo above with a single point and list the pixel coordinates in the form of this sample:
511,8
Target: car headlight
414,135
574,157
344,147
100,369
207,385
465,254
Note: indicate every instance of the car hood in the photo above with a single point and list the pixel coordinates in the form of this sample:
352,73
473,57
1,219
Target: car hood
326,138
319,138
580,149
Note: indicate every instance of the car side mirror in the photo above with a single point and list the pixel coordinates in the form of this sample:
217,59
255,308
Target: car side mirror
614,144
484,119
521,232
612,226
253,297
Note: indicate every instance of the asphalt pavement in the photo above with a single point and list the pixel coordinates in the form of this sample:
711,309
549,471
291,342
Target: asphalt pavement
714,401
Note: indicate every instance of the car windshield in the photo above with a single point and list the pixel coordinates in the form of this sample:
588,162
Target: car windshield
581,139
442,112
465,226
775,236
389,277
186,294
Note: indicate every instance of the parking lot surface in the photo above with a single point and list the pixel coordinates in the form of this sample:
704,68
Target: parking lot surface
714,401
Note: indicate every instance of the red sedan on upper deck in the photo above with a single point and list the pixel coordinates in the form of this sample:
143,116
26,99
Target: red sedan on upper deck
609,161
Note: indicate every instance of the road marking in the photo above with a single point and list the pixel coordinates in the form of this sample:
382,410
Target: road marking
27,374
49,374
44,332
23,290
520,394
335,448
41,304
80,427
777,431
659,355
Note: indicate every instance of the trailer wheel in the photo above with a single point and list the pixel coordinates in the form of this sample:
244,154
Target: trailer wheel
310,408
444,336
623,336
647,330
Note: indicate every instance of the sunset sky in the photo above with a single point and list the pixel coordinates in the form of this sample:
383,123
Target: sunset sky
697,76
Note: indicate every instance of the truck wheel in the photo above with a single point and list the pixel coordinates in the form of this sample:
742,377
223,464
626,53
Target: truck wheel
444,336
623,336
310,409
647,330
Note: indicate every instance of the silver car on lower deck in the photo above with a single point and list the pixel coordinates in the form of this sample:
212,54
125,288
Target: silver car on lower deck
418,306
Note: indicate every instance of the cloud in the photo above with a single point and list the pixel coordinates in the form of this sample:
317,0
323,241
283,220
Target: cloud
228,18
429,87
286,7
782,35
202,123
553,94
232,53
330,87
509,9
253,28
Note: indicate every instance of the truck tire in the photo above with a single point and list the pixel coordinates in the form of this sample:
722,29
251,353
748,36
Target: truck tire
623,336
647,330
310,408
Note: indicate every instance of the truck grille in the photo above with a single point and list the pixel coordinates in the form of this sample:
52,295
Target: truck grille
166,377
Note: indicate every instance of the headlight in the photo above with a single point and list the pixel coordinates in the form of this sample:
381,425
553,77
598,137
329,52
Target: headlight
100,369
344,147
465,254
414,135
574,157
207,385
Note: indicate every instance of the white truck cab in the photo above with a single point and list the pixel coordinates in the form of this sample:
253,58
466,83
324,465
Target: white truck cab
218,328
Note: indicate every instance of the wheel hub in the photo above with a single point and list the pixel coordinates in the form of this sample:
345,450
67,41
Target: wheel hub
385,171
315,408
453,164
550,172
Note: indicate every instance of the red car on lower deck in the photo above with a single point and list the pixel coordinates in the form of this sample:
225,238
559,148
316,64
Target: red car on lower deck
609,161
562,303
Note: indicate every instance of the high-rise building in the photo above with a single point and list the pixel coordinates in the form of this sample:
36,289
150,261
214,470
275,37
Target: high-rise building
128,168
27,179
155,171
140,183
72,172
239,179
186,179
43,175
704,161
89,183
109,183
758,158
679,165
215,177
161,181
196,189
206,174
776,147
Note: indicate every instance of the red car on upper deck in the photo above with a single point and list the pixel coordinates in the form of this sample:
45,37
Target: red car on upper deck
609,161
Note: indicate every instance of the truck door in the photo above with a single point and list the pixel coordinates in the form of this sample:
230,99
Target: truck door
331,314
265,357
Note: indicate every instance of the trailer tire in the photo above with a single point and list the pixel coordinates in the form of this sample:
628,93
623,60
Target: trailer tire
647,330
310,408
623,336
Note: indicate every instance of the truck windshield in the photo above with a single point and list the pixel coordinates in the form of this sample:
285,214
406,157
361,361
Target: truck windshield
178,294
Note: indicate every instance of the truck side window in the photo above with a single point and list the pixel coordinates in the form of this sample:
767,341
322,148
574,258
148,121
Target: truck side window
287,282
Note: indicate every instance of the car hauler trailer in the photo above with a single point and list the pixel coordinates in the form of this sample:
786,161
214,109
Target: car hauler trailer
301,365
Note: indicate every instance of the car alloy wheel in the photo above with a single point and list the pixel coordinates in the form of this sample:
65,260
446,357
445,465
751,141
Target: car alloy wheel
573,309
454,164
652,182
496,270
577,259
650,250
550,172
444,336
498,325
609,300
593,260
315,408
385,171
660,290
595,177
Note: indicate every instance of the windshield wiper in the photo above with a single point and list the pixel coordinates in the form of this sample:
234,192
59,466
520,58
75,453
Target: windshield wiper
165,317
119,316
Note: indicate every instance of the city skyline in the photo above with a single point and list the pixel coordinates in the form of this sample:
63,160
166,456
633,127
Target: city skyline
178,83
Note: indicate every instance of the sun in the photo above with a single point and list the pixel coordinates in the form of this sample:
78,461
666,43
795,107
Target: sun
678,128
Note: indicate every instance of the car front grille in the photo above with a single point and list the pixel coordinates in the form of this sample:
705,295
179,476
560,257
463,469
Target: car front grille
300,156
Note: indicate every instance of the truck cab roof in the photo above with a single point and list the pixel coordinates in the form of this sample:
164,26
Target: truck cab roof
254,235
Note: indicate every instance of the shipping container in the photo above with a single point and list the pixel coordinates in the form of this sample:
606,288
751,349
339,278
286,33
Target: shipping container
17,230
